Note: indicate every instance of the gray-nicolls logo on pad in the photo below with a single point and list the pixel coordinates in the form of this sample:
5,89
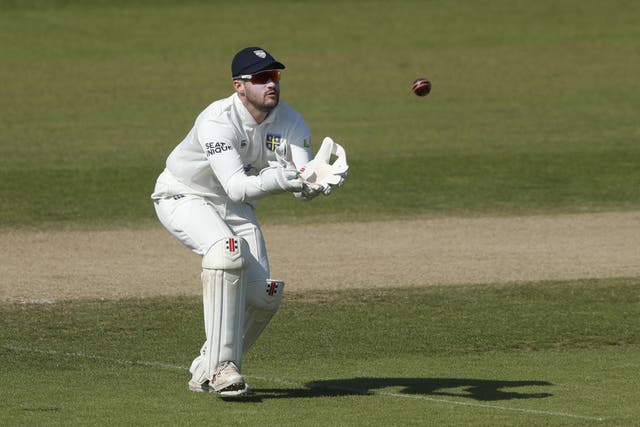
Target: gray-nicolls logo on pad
232,244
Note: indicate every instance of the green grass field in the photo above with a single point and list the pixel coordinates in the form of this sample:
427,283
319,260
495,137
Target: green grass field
534,106
534,110
527,354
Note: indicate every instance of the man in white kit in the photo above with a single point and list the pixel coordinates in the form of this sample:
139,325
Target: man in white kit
240,149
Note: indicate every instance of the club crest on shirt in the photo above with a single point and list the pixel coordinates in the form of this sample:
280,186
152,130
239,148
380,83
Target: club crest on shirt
273,141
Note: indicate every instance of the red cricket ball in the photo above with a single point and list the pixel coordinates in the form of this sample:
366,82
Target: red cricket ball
421,86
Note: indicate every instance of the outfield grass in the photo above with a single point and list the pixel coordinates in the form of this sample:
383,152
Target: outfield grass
534,106
533,111
553,353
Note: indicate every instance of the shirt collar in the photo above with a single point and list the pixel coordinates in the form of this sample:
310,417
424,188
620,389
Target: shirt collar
246,116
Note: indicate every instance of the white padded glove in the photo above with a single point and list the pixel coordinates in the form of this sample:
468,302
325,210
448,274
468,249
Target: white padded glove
288,179
285,160
323,174
310,191
276,179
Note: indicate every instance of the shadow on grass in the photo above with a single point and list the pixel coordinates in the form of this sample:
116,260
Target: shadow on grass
480,390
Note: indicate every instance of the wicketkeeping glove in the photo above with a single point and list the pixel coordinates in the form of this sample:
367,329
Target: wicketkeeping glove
322,173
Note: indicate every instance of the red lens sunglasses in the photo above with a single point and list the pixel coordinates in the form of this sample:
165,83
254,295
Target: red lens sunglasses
262,77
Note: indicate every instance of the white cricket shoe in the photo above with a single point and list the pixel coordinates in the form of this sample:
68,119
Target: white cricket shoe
228,382
200,388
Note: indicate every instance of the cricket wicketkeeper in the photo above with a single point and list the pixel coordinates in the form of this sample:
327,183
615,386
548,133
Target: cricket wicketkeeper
240,149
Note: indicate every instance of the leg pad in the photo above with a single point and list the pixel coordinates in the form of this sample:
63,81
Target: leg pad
263,301
223,296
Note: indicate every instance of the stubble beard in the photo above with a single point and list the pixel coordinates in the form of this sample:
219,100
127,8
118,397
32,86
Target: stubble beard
263,102
267,104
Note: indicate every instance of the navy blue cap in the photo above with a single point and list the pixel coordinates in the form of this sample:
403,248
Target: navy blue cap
251,60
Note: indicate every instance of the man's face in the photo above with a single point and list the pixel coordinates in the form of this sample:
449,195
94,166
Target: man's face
262,91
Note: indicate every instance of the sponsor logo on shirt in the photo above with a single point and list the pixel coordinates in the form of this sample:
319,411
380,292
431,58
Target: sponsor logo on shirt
273,141
212,148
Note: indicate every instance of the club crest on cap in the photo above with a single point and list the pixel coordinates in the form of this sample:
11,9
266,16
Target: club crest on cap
260,53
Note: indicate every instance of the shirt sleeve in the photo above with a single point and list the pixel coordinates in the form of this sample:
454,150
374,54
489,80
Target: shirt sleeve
300,143
219,144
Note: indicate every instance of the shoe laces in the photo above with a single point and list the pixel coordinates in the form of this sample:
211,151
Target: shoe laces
224,365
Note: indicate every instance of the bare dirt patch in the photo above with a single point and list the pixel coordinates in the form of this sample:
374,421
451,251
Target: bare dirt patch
42,266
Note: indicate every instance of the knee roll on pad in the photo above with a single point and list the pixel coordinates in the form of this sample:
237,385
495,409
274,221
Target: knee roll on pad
226,254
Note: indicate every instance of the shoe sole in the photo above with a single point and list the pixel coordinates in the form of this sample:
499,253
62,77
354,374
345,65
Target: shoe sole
204,388
245,391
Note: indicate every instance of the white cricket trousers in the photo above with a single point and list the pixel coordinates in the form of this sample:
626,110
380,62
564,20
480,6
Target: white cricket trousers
198,223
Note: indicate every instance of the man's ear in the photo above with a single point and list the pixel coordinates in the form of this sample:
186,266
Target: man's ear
238,85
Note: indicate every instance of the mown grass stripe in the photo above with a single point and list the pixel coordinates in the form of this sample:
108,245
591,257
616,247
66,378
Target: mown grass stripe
155,364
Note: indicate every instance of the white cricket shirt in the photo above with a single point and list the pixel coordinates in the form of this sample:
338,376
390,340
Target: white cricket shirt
223,154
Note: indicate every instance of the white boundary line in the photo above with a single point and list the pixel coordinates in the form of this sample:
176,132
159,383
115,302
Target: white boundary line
81,355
